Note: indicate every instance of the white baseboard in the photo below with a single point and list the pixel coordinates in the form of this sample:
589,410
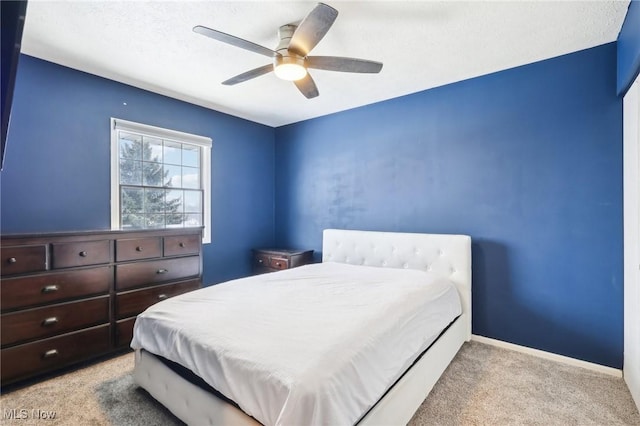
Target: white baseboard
548,355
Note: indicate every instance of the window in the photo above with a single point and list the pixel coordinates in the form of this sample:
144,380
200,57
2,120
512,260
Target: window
160,178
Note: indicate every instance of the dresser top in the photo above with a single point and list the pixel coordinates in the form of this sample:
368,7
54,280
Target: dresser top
108,233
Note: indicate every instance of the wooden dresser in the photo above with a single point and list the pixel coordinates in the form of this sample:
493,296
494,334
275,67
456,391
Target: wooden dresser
271,260
69,297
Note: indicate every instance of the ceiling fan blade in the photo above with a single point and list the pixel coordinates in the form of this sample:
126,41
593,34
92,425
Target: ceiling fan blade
312,28
235,41
307,86
257,72
336,63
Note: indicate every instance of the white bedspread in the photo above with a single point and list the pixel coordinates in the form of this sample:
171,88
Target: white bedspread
317,344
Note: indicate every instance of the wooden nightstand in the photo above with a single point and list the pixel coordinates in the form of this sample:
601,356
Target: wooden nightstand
271,260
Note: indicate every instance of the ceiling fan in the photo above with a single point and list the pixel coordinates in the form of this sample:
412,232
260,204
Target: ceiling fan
290,60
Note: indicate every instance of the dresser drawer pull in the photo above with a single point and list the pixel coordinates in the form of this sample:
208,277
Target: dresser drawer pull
83,254
49,321
278,264
162,296
162,271
139,248
182,245
50,288
260,261
52,353
12,260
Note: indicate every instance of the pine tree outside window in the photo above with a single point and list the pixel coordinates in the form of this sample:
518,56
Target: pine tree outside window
160,178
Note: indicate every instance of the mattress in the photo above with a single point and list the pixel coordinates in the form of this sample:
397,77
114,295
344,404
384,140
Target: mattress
317,344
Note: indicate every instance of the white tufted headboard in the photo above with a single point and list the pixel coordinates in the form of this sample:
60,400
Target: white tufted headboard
444,255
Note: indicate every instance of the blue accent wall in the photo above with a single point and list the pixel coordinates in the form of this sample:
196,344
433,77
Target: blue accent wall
527,161
629,48
56,174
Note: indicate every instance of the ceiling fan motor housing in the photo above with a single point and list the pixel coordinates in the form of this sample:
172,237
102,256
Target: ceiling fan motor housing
285,33
286,58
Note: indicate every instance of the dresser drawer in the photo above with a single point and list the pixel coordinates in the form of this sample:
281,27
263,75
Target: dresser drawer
133,275
21,292
133,302
52,320
124,332
67,255
21,259
32,358
138,248
182,245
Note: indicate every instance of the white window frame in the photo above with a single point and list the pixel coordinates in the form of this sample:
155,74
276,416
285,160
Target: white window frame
157,132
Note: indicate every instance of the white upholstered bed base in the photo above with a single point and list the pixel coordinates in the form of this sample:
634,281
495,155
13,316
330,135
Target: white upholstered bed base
445,255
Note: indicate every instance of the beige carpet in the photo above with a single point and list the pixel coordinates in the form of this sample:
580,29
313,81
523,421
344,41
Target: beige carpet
484,385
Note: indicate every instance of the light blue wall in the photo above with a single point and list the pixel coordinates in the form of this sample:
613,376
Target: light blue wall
527,161
56,174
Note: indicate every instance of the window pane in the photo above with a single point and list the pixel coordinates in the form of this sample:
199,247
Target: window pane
130,146
175,220
131,200
172,153
154,200
152,149
173,176
192,201
173,207
130,221
190,177
130,172
173,198
193,220
154,221
152,174
160,181
191,155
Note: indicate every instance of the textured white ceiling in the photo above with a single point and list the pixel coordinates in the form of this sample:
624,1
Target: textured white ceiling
423,44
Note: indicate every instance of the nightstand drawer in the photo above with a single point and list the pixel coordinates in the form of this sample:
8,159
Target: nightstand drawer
273,260
52,320
28,359
182,245
21,292
279,263
67,255
138,248
139,274
18,260
133,302
261,261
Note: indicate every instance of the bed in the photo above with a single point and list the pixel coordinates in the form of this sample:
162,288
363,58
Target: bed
385,338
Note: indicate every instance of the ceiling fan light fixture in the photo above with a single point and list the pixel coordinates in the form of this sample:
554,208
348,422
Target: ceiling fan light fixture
290,72
291,56
289,68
